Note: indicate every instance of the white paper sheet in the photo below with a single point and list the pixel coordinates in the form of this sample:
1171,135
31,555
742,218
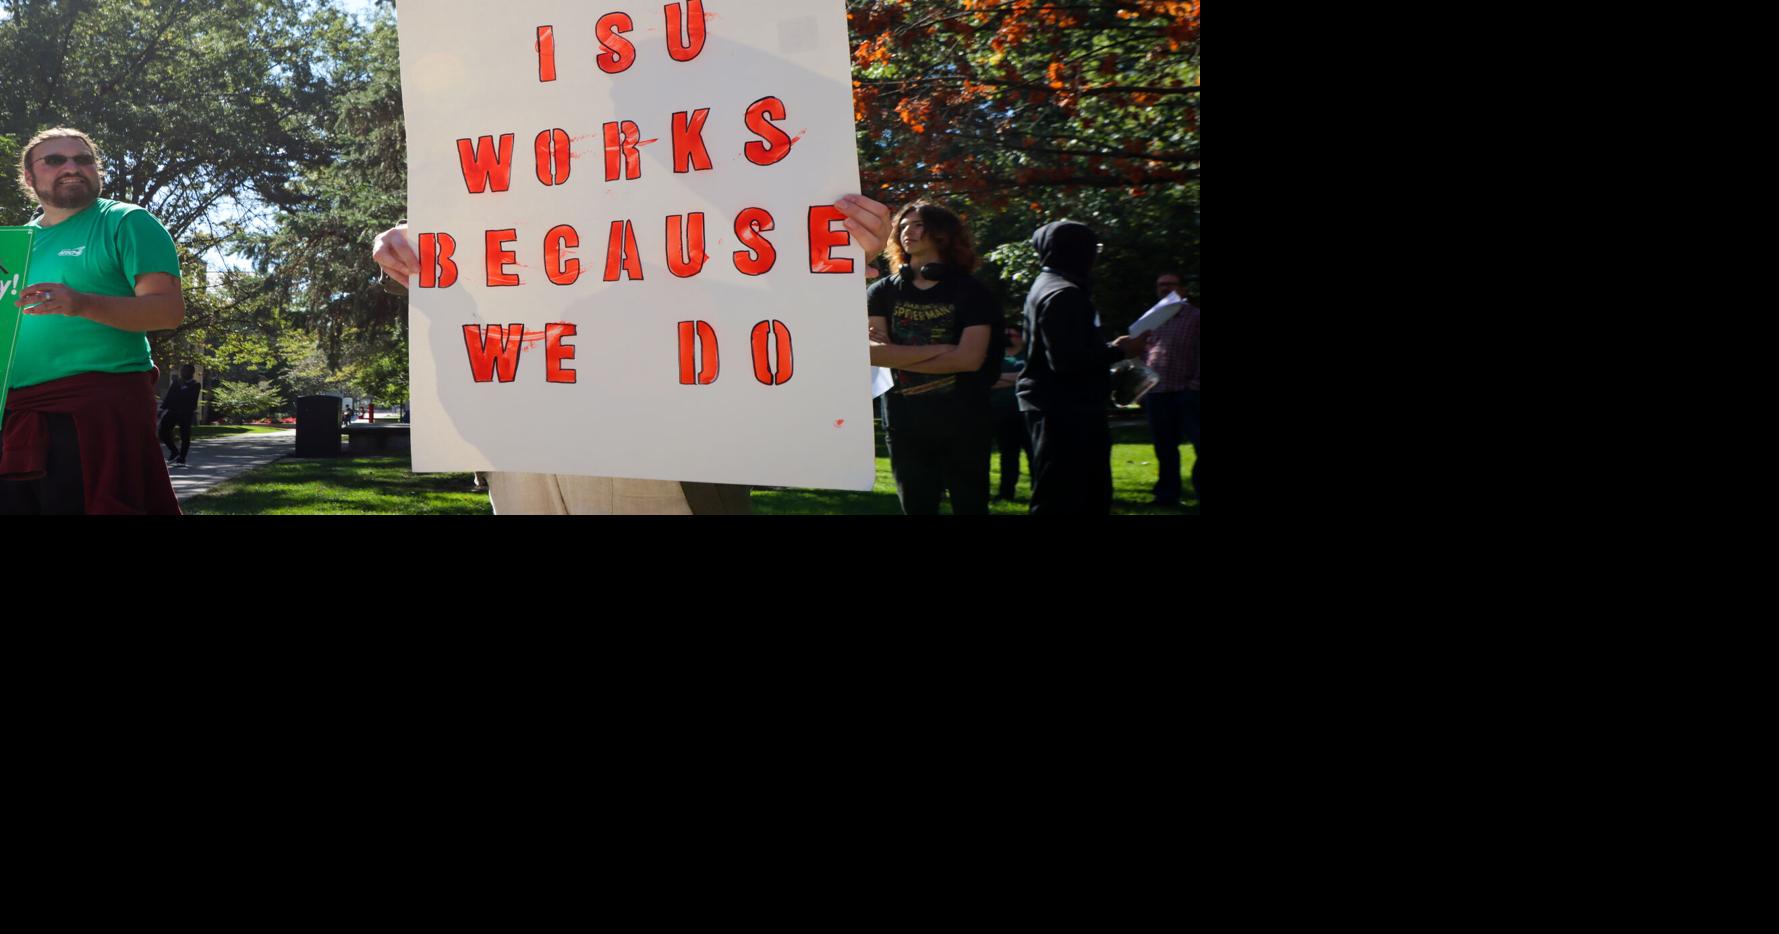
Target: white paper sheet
1159,315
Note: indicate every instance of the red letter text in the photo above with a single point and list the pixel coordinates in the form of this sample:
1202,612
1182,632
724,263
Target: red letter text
555,352
683,265
499,257
687,48
693,336
555,242
748,225
482,167
437,271
688,142
621,155
483,356
764,343
620,253
759,120
546,53
619,54
553,154
823,238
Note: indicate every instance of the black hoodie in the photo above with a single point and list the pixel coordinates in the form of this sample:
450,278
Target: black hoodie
1068,366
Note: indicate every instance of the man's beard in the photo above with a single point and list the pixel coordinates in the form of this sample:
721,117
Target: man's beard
78,193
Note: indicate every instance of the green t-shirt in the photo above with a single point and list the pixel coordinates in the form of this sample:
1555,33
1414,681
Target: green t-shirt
101,250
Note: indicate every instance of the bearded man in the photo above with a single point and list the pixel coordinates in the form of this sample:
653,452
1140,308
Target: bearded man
79,431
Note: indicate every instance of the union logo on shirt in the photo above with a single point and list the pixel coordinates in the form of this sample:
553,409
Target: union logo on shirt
74,252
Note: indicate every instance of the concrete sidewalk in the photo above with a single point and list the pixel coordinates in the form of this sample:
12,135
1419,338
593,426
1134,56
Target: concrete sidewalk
213,460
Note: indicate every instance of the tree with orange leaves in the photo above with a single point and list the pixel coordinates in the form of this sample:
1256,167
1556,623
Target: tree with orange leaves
1021,111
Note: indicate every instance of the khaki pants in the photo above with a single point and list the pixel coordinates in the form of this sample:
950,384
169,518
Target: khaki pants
545,494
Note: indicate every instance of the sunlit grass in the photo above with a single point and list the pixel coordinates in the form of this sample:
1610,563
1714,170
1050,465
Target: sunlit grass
224,431
1133,477
385,486
342,486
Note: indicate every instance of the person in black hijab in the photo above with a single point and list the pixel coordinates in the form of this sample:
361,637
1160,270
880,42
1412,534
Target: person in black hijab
1066,384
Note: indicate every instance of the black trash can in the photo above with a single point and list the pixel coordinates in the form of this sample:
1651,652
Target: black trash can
318,426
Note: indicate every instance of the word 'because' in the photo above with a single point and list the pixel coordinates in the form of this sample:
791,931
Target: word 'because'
685,250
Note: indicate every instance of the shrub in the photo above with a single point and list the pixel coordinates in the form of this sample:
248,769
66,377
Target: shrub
246,401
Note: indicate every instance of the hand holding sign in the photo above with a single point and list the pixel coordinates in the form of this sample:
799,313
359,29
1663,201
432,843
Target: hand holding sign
869,223
52,298
393,252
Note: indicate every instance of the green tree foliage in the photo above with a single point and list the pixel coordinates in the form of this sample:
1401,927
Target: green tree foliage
200,106
319,255
240,401
15,208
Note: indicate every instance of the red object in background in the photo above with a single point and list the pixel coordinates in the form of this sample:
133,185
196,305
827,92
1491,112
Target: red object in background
372,408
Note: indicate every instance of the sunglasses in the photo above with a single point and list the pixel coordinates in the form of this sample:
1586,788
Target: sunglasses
84,160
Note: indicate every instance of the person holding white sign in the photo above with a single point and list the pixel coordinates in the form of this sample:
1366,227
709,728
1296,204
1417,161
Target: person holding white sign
935,324
514,493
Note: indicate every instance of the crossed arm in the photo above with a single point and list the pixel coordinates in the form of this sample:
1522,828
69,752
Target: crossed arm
966,355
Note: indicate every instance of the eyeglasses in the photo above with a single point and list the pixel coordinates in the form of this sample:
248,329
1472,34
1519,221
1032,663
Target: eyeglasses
85,160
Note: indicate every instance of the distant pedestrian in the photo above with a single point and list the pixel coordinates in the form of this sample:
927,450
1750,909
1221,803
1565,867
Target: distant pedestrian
179,407
1173,405
1011,435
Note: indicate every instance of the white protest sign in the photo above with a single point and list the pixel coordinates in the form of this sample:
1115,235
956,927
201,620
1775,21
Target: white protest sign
631,265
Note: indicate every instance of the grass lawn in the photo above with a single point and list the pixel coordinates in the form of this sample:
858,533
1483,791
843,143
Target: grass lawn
1133,476
384,486
342,486
224,431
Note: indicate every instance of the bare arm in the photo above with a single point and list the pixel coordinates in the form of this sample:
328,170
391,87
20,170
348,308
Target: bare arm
158,304
899,356
965,357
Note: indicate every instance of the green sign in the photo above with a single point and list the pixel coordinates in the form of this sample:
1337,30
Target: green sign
15,262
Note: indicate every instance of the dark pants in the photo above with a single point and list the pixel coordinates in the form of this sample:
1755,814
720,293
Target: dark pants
61,490
171,420
1071,463
1173,420
1011,437
927,463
